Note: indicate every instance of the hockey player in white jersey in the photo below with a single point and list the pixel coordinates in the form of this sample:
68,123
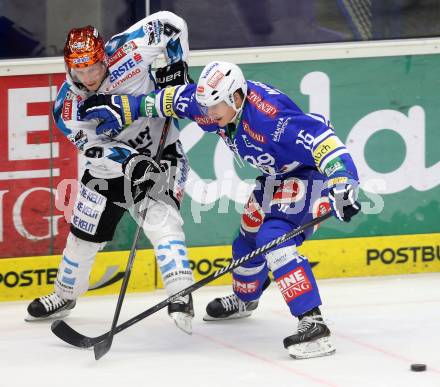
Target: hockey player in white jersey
122,66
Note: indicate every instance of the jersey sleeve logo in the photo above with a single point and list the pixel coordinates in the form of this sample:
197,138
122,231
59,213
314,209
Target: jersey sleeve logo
154,31
67,110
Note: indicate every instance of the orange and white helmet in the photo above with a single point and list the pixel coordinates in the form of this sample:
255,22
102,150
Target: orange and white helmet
84,47
218,82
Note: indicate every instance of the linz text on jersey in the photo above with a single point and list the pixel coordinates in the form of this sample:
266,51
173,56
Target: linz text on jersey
127,65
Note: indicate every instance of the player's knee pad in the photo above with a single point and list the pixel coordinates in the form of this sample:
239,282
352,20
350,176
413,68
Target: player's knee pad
247,282
162,220
248,279
294,277
281,256
74,270
163,226
243,245
174,265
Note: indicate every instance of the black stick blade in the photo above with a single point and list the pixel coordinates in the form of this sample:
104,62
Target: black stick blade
103,347
66,333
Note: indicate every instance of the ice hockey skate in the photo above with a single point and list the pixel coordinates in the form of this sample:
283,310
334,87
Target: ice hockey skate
229,307
49,307
182,312
312,338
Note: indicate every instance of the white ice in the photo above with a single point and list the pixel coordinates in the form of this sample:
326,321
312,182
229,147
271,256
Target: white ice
380,325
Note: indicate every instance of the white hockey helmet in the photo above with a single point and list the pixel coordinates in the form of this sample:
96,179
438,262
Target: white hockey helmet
218,82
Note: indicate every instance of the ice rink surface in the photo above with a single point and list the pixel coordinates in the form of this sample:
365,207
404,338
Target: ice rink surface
380,325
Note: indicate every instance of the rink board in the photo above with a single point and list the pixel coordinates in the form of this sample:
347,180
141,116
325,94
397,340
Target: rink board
387,117
29,277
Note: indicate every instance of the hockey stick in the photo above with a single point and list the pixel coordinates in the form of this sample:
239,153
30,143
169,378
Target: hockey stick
102,347
70,336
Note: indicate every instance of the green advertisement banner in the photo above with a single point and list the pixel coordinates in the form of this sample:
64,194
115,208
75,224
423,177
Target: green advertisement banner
384,109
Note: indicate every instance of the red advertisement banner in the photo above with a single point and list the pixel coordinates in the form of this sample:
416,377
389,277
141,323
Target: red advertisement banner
34,158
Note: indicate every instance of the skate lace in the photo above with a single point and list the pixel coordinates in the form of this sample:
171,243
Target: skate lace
230,302
52,301
181,300
307,321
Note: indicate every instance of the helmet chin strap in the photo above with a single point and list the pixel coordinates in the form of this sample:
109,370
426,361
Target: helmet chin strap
238,111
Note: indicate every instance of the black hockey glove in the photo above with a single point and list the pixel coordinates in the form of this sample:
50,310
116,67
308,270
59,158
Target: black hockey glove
139,168
145,175
173,75
342,196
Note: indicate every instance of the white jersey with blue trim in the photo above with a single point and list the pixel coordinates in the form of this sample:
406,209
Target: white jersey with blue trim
130,56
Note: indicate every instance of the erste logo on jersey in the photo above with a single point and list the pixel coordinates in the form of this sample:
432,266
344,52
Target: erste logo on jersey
261,104
124,67
137,57
121,52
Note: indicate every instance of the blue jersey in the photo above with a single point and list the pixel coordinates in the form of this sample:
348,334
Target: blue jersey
272,134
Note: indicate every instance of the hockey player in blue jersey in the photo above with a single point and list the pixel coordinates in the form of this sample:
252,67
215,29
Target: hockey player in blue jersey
306,171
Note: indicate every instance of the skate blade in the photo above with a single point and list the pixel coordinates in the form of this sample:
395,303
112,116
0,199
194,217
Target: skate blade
183,322
317,348
234,316
58,315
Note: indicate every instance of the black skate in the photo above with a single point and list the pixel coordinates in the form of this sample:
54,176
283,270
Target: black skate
182,312
231,307
50,306
312,339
